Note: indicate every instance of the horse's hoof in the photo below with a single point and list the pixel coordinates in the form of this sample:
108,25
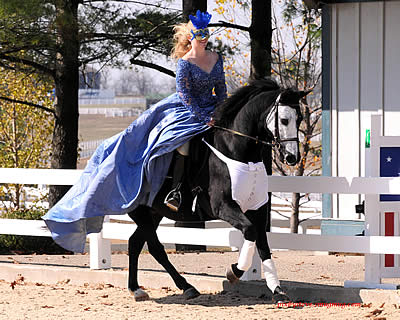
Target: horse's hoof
191,293
280,296
139,295
231,276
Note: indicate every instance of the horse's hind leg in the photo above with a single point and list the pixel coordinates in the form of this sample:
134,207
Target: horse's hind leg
147,229
255,237
238,220
135,246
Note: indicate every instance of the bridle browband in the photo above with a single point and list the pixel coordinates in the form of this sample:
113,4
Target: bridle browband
277,141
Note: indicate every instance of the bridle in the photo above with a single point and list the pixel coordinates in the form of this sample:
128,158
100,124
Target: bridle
276,140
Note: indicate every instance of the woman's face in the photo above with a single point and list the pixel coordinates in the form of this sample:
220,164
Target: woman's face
199,44
200,38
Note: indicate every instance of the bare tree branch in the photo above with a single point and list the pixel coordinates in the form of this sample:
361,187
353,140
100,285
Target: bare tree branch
229,25
135,2
152,66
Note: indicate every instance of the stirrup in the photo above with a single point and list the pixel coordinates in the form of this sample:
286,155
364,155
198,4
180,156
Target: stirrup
173,200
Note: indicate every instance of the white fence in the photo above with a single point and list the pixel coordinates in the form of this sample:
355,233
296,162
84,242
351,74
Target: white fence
100,243
114,112
373,244
88,147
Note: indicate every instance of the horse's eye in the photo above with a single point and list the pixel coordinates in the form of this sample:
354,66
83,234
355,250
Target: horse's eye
285,122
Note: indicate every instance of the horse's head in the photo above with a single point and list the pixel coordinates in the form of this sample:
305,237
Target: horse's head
264,113
283,122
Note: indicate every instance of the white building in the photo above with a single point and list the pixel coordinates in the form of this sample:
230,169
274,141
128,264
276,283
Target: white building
361,77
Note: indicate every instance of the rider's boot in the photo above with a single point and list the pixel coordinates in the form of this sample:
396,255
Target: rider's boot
173,199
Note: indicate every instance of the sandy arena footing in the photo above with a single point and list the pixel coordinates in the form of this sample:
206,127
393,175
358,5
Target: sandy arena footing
306,277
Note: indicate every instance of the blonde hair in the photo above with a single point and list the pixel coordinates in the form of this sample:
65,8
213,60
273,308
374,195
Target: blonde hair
181,40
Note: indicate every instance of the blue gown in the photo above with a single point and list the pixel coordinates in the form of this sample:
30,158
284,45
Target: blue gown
128,169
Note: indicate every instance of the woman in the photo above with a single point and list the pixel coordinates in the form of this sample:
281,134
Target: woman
195,65
128,170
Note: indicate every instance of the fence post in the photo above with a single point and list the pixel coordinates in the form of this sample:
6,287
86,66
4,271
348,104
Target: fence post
100,250
372,214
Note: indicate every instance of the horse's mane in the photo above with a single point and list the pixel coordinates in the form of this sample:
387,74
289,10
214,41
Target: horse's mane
225,112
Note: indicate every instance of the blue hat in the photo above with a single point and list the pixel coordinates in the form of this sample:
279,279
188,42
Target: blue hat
201,20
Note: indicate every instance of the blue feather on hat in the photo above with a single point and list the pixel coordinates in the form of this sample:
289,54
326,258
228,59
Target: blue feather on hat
201,20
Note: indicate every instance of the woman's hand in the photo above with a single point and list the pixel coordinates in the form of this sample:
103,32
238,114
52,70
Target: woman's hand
211,122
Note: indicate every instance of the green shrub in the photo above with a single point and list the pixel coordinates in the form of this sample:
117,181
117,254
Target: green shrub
27,244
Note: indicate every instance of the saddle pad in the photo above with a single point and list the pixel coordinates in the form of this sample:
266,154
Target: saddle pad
249,181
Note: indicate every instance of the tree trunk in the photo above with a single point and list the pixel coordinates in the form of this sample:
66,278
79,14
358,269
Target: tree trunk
294,218
260,39
65,136
191,6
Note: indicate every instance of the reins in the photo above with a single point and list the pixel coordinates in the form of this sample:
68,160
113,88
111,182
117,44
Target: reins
237,133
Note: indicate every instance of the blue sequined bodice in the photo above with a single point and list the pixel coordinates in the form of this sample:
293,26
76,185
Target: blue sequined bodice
195,87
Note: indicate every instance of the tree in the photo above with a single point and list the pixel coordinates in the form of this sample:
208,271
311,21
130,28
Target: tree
252,28
260,39
191,6
295,62
141,81
258,32
25,132
54,39
298,65
133,82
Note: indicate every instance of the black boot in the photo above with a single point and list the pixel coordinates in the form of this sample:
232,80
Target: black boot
173,199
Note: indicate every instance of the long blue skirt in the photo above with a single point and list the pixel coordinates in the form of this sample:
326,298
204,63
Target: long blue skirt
126,170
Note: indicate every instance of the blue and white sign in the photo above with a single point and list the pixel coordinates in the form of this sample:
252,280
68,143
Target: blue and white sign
389,167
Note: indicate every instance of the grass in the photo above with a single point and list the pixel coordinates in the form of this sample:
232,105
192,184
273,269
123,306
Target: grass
98,127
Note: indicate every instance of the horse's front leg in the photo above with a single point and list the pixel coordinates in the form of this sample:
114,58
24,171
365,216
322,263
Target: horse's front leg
230,212
270,273
255,237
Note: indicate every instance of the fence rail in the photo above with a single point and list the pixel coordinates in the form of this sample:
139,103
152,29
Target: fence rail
312,184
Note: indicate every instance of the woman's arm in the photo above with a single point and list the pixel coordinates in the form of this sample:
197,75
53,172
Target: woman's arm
220,85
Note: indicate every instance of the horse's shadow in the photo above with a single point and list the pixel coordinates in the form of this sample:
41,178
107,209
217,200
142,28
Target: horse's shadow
218,299
255,293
